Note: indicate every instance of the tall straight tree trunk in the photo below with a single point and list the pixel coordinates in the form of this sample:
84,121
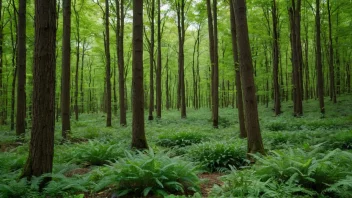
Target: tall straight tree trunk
296,48
138,132
320,82
331,58
21,62
2,88
255,142
78,42
66,69
215,68
243,132
168,95
13,24
151,62
108,63
180,7
158,67
84,48
41,150
276,51
121,63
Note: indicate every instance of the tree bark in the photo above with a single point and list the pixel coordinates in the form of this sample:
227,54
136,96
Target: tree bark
66,69
255,142
180,9
151,61
41,151
21,64
331,58
108,65
320,82
213,45
78,41
276,52
243,132
138,132
2,91
120,56
158,69
296,48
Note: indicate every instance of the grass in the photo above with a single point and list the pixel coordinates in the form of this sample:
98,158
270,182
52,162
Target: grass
307,156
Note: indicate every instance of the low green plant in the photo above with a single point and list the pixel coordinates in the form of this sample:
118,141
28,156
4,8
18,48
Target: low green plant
92,153
219,156
342,188
245,183
180,139
312,169
148,173
342,140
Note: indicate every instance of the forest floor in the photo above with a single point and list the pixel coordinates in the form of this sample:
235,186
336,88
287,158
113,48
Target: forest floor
97,161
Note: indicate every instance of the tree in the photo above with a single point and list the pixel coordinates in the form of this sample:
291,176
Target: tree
66,69
158,67
120,55
151,13
108,63
255,142
243,132
331,57
296,50
2,98
138,132
181,30
213,49
41,150
21,64
276,54
320,81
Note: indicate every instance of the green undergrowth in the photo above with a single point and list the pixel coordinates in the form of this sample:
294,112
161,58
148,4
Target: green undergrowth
292,173
306,157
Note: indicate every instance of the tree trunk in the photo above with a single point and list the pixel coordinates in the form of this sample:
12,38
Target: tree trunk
13,24
108,63
78,41
331,58
2,87
66,69
158,70
151,61
320,82
276,54
21,64
138,132
180,8
243,132
296,48
84,48
41,151
255,142
213,49
121,63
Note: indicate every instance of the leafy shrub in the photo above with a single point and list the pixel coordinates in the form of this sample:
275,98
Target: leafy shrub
148,173
277,126
92,153
342,140
312,169
291,173
179,139
11,162
59,186
218,155
342,188
246,183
